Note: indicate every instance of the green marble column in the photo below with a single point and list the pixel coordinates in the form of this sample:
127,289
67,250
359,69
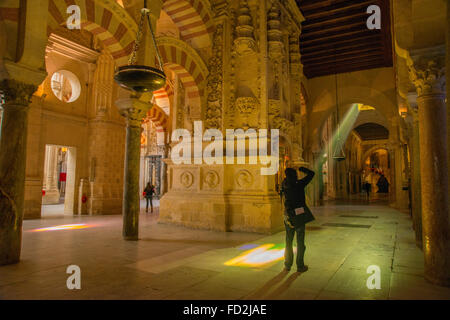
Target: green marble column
12,167
134,111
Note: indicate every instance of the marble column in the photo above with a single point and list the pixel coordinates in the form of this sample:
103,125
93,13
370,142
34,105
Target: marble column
134,111
427,74
12,167
164,152
416,184
392,174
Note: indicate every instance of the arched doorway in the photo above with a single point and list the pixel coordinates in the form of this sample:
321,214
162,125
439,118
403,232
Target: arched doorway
344,148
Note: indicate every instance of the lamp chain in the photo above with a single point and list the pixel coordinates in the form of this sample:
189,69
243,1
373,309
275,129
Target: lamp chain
132,59
154,43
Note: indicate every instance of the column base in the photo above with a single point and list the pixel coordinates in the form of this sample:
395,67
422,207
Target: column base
51,197
133,238
419,244
440,281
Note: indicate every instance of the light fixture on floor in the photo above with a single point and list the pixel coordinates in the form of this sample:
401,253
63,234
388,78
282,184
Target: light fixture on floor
141,78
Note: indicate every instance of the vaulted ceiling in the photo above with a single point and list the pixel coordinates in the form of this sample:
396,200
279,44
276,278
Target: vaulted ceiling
372,131
335,37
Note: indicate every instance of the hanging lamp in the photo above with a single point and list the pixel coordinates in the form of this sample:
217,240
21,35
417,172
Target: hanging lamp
338,153
141,78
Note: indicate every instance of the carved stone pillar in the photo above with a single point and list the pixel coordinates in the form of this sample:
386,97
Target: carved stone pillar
105,144
12,167
427,74
134,111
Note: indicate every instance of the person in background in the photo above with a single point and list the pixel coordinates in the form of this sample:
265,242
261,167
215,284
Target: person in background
296,215
367,188
148,193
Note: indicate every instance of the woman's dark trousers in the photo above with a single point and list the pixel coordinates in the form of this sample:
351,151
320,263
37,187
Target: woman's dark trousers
289,252
151,204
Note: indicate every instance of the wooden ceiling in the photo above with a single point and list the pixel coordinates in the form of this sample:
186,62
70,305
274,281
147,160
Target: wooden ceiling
335,37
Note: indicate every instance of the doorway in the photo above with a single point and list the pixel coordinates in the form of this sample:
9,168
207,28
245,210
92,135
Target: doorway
58,189
154,173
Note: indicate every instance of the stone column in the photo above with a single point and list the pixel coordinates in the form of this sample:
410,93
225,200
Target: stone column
134,111
51,176
448,84
12,167
164,152
416,183
392,171
427,74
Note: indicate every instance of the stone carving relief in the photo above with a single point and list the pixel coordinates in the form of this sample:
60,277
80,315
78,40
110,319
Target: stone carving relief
181,103
246,109
245,41
277,121
294,54
244,179
151,138
220,7
428,75
134,113
214,86
274,33
211,179
16,92
186,179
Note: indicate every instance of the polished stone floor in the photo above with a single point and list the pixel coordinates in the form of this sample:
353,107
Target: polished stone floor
172,262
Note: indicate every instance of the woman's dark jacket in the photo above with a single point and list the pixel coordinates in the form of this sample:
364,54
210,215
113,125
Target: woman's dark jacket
149,191
294,197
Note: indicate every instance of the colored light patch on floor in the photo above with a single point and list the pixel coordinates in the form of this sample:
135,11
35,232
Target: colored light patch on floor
64,227
262,255
248,246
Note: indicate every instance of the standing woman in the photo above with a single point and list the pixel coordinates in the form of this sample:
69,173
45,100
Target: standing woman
296,215
149,191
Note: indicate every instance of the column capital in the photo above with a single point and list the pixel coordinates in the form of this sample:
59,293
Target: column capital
427,71
17,92
133,109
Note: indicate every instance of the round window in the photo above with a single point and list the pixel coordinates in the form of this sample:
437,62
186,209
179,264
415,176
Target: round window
66,86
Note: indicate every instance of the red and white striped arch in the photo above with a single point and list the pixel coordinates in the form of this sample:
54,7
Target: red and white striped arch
105,19
193,18
187,64
163,97
159,118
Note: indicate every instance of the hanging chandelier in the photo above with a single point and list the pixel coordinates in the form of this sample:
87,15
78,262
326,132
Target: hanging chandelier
141,78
